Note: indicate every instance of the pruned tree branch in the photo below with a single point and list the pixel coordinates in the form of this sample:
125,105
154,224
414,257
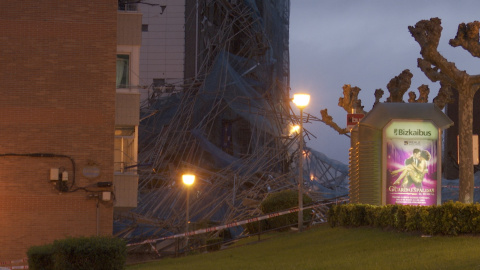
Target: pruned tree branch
399,85
467,38
427,33
328,120
444,97
424,90
378,95
432,72
350,100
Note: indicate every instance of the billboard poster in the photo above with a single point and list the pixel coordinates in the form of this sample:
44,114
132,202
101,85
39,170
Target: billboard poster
411,163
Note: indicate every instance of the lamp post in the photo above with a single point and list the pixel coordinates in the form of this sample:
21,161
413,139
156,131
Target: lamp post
301,100
188,180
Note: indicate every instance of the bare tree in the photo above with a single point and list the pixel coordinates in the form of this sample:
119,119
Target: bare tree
437,68
396,87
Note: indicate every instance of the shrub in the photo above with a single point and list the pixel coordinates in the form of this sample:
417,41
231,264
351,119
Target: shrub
399,217
332,216
448,219
256,227
41,257
284,200
96,253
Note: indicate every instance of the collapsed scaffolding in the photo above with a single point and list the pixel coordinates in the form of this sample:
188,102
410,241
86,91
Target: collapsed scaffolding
229,126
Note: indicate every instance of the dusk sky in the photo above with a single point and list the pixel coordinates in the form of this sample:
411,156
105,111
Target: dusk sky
364,44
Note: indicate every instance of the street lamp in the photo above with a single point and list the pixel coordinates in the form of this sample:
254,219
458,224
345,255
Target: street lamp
295,129
188,180
301,100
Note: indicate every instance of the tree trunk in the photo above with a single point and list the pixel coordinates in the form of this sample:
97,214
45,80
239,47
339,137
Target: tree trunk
465,156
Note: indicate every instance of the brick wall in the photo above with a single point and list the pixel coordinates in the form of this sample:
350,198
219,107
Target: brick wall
57,96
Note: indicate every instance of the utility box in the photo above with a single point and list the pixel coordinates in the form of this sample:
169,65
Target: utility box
126,191
396,155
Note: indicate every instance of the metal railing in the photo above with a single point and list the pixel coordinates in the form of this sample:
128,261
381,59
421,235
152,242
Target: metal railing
127,6
125,167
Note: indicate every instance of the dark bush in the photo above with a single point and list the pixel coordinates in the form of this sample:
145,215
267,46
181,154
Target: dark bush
450,218
41,257
284,200
95,253
256,227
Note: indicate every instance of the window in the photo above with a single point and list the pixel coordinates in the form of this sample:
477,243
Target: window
144,27
124,150
123,62
127,5
158,82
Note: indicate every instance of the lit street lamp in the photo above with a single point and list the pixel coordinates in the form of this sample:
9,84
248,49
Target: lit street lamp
301,100
188,180
295,129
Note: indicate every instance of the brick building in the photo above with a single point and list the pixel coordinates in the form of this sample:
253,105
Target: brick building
57,118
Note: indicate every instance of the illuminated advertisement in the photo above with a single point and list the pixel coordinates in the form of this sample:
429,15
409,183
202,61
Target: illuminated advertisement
411,163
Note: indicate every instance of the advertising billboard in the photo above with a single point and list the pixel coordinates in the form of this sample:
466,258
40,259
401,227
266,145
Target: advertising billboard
412,163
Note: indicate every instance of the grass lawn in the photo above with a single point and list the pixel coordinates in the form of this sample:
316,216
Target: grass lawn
323,247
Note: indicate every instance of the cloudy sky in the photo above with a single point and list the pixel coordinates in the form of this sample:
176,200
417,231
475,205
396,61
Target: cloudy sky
365,44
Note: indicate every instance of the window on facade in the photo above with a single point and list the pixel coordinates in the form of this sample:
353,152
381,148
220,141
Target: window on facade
127,5
124,151
158,85
123,62
158,82
144,27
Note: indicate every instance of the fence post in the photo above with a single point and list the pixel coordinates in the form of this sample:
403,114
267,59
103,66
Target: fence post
259,229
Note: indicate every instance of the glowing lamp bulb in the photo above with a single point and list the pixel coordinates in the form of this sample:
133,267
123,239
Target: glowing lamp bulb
301,100
294,129
188,179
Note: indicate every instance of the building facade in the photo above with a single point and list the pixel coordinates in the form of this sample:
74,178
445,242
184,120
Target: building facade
127,107
57,116
214,79
162,54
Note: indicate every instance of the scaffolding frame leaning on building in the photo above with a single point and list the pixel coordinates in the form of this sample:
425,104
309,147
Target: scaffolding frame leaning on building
228,123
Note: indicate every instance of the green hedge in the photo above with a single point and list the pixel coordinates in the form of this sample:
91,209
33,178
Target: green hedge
280,201
41,257
450,218
95,253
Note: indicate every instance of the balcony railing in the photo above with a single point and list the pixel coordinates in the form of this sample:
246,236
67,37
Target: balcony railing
125,167
123,6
